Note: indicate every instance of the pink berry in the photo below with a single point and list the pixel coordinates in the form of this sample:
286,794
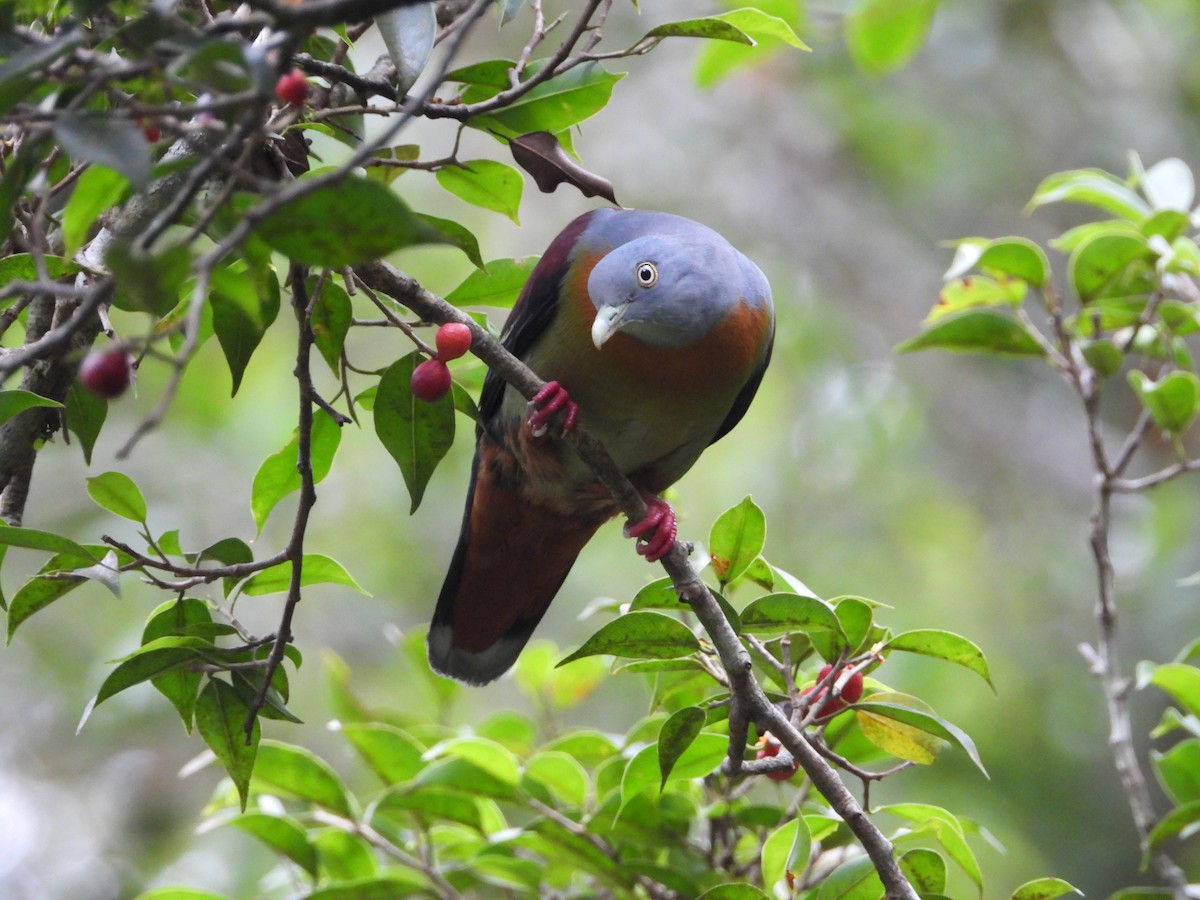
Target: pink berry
430,380
292,88
453,340
106,372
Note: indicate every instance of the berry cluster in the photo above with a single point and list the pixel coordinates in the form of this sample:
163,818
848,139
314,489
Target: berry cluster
431,378
851,692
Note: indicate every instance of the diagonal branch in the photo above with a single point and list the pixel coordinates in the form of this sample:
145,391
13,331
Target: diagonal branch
750,702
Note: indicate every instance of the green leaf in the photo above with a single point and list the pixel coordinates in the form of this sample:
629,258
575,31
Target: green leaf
701,758
1111,263
980,330
155,658
282,834
943,645
498,284
417,434
98,189
766,22
464,776
316,569
431,805
13,402
300,773
85,415
762,25
117,493
955,845
676,735
1172,401
181,685
279,476
925,870
922,721
388,752
783,613
884,35
561,774
447,231
1094,187
244,304
30,538
220,717
181,893
1104,356
658,594
974,291
1016,257
351,221
1181,681
736,540
856,618
785,850
1178,771
853,880
22,267
344,856
710,28
554,105
485,183
497,761
36,594
900,739
640,635
1170,224
330,322
1044,889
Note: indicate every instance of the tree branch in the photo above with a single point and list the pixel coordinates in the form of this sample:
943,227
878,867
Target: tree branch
308,493
747,695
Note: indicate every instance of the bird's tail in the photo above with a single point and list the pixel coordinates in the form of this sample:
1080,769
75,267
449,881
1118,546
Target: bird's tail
512,557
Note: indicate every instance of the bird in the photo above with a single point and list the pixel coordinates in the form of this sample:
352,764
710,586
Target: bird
653,333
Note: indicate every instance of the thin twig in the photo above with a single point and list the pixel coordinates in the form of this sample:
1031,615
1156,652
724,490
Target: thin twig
308,492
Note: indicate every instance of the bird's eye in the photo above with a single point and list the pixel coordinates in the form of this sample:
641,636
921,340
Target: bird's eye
646,274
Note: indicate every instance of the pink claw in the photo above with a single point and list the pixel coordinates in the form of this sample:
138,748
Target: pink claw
659,524
546,403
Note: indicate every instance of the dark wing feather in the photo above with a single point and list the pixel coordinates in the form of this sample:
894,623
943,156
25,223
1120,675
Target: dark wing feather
741,402
534,310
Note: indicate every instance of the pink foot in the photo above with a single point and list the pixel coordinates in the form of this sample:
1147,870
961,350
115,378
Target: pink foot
659,524
546,403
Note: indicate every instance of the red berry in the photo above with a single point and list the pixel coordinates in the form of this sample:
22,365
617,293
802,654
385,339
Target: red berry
770,748
106,372
453,340
292,88
430,380
851,691
151,133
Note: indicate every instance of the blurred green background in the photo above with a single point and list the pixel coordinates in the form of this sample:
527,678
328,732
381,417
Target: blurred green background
955,489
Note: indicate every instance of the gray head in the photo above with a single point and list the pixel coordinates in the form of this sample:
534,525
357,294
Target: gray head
669,280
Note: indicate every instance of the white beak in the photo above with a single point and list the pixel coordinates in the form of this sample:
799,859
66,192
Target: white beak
607,323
